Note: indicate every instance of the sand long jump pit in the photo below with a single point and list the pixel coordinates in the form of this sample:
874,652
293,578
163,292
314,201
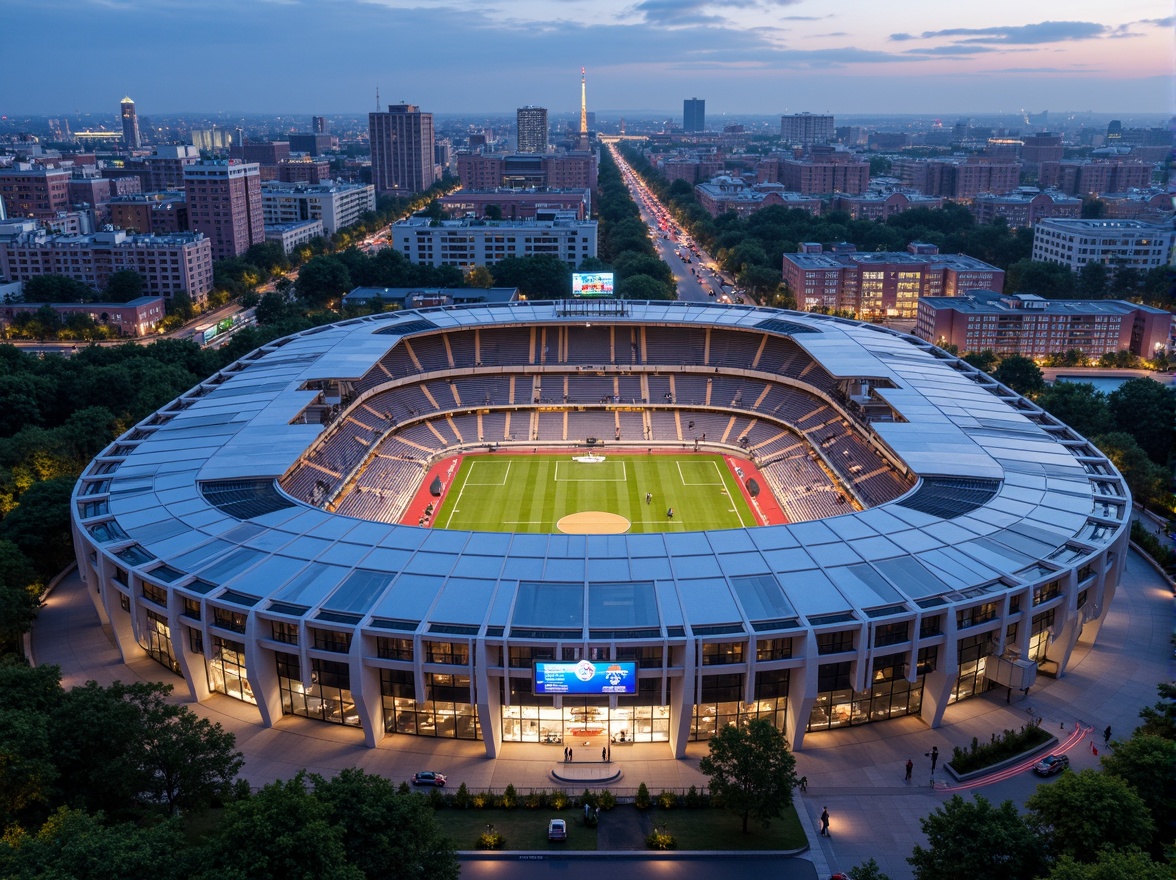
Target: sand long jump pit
593,522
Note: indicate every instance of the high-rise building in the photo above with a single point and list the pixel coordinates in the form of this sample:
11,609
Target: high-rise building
806,129
532,129
35,192
402,149
224,202
130,124
694,114
319,125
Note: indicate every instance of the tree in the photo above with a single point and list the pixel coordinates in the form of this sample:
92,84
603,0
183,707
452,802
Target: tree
1079,404
271,308
1082,812
74,844
180,304
322,280
1111,864
978,841
387,835
280,833
751,771
124,286
1146,410
539,277
56,289
1019,373
1148,764
1040,278
20,595
641,287
1159,719
1093,209
762,282
985,360
40,526
1144,477
479,276
1092,280
867,870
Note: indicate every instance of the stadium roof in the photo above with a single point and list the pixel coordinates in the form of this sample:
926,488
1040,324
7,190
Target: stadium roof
1004,488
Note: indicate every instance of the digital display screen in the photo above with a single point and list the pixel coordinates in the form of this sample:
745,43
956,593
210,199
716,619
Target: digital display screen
585,677
592,284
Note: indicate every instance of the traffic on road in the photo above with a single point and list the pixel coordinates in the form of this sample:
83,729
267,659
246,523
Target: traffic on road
698,276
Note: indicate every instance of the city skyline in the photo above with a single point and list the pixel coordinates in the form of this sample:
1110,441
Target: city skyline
759,56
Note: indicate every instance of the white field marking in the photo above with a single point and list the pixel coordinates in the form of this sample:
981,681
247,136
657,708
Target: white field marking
595,468
457,501
718,476
470,475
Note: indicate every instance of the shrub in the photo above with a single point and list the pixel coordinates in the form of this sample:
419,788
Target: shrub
536,799
590,821
1007,745
667,800
510,798
695,798
587,798
642,801
559,800
606,800
436,799
491,840
661,840
482,800
461,798
404,789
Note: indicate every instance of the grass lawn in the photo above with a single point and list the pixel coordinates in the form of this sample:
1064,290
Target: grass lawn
523,828
701,829
712,829
531,493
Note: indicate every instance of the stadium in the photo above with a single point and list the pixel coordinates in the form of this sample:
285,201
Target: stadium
610,521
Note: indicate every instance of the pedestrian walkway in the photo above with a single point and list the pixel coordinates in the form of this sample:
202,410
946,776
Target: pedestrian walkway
858,773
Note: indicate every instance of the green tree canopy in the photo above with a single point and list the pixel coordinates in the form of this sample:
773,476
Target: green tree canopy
56,289
1146,409
1051,280
539,277
1019,373
1148,764
1111,864
978,841
1079,404
751,771
1082,812
1159,719
124,286
323,279
1145,478
387,834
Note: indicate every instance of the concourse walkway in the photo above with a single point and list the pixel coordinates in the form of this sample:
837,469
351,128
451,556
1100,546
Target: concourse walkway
857,773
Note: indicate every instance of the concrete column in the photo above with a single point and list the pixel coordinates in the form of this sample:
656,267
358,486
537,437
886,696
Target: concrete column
489,705
365,691
682,700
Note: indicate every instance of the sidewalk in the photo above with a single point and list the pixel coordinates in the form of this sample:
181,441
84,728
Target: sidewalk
857,773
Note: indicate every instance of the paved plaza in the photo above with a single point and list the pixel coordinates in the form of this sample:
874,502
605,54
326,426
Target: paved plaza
857,773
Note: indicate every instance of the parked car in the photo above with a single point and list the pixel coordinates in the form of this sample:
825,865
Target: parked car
557,829
428,777
1051,764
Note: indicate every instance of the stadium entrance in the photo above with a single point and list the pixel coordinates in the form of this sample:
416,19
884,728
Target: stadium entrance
586,725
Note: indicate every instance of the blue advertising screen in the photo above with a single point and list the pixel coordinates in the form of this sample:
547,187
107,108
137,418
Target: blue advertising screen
584,677
592,284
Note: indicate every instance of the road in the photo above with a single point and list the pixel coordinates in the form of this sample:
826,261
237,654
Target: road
644,867
699,279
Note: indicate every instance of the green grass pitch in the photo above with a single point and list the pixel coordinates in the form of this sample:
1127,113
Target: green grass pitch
530,493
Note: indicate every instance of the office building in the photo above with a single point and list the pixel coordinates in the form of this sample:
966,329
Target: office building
319,125
224,202
1042,147
1119,244
694,115
313,144
130,124
1028,325
806,129
518,204
165,167
1083,177
527,170
214,140
136,317
531,124
981,548
158,213
294,235
724,194
261,152
466,243
958,178
402,150
169,264
335,205
882,205
882,284
40,193
1025,206
826,171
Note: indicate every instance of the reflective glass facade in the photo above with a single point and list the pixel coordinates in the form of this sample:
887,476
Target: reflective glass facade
226,670
327,699
447,712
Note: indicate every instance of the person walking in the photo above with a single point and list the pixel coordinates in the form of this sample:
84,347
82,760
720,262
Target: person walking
1107,736
934,753
825,823
803,783
910,768
571,754
604,753
565,754
670,513
649,498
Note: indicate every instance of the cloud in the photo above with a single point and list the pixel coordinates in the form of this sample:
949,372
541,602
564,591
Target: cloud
952,51
1023,34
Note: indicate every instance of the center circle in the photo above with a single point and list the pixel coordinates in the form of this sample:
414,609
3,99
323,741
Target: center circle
593,522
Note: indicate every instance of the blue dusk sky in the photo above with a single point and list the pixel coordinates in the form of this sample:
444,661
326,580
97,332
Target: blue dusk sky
742,56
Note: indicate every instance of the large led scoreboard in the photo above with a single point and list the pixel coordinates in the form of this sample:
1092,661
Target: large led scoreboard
592,284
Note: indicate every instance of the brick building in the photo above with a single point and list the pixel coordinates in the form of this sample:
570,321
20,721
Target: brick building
731,194
1034,327
224,202
1080,177
806,129
1025,206
887,284
402,149
882,205
34,192
572,170
165,168
956,177
160,213
518,204
137,317
825,171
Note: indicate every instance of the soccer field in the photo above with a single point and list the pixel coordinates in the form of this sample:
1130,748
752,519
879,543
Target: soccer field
532,493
